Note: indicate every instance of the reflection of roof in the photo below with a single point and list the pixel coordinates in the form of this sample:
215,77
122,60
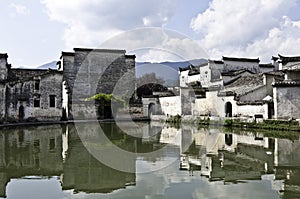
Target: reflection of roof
285,59
240,59
244,85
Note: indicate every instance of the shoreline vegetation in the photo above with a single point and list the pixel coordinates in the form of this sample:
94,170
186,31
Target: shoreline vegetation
289,129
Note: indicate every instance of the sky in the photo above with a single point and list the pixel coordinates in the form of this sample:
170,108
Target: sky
34,32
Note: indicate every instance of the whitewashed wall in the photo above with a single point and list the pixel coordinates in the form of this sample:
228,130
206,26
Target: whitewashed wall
251,110
171,105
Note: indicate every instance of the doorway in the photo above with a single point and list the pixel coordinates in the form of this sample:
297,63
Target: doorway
21,113
228,109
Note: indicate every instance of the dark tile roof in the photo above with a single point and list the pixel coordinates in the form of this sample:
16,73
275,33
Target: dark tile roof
293,67
286,83
240,59
244,85
275,73
216,61
274,58
235,72
100,50
266,65
3,55
285,59
17,74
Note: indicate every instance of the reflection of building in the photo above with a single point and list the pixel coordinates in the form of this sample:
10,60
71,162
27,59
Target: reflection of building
30,151
83,172
233,158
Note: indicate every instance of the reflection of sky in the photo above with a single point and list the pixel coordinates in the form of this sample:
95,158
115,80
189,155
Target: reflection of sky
34,188
168,182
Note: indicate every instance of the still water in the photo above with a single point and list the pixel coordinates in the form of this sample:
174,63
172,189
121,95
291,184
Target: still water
142,160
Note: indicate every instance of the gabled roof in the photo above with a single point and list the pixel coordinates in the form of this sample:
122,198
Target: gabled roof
269,65
17,74
294,67
235,72
240,59
244,85
286,83
3,55
215,61
286,59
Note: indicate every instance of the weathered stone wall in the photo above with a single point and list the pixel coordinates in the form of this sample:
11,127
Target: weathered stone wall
287,102
3,67
2,102
88,72
24,93
99,70
84,110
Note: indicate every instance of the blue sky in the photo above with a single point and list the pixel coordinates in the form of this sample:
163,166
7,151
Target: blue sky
35,32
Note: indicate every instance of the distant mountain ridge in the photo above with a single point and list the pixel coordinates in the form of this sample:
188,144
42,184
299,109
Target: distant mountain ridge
51,65
166,70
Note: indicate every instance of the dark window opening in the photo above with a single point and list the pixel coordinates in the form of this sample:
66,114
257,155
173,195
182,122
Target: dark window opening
37,85
52,100
36,102
51,144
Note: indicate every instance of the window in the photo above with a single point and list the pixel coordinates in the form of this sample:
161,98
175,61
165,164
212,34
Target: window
52,100
51,144
37,85
36,102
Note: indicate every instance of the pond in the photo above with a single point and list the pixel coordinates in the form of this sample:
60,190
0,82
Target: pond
146,160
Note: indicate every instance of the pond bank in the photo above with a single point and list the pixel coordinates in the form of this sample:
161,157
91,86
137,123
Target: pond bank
243,123
36,123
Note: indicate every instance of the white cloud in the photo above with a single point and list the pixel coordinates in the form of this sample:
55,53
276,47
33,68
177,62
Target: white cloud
20,9
89,23
248,28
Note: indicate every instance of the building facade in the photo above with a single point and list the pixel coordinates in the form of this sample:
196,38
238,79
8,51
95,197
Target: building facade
87,72
29,94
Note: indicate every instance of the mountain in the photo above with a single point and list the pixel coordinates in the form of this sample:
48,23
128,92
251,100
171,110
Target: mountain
51,65
166,70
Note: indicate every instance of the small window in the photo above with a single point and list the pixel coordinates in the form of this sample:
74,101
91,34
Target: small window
51,144
36,102
37,85
52,100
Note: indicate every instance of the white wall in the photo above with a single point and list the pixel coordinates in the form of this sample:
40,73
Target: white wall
251,110
171,105
213,104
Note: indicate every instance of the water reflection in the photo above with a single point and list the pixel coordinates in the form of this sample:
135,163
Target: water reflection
188,163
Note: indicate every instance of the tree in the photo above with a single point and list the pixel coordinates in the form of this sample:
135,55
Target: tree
149,83
107,101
